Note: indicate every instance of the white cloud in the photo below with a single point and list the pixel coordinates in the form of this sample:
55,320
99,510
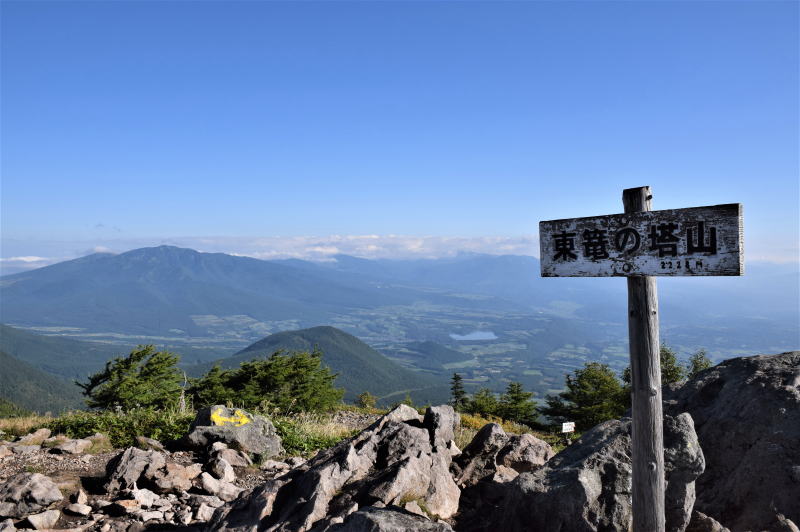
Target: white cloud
366,246
26,259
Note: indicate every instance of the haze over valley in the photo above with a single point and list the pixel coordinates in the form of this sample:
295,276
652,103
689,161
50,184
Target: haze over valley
490,318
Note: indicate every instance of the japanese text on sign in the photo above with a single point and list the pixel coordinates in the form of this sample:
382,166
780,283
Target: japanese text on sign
695,241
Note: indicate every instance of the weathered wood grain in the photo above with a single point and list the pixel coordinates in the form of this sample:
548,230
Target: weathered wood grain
647,438
676,242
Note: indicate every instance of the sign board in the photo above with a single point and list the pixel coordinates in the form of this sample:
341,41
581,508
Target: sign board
676,242
569,426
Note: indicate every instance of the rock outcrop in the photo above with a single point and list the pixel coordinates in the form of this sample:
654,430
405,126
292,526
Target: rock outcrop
587,487
493,454
137,468
400,458
388,520
746,412
237,429
26,493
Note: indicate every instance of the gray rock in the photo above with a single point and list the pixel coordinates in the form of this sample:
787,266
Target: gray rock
443,422
144,497
236,428
220,468
124,470
234,457
209,500
152,515
151,469
25,449
149,444
478,459
73,446
7,526
26,493
388,520
395,460
34,438
224,490
79,497
295,461
78,509
122,507
5,450
173,478
702,523
274,465
746,412
45,520
683,463
203,513
587,487
525,453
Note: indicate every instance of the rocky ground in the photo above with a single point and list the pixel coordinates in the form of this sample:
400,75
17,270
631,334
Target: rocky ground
732,454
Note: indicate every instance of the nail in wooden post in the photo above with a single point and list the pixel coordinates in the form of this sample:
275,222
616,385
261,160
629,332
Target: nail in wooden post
647,429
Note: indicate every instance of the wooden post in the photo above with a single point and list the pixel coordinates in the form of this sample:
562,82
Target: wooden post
647,428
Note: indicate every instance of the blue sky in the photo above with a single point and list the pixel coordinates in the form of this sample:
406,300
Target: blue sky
251,127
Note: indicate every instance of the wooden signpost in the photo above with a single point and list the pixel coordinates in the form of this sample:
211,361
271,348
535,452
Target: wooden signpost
639,245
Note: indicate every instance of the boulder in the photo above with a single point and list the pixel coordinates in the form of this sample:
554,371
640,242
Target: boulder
220,468
78,509
25,449
5,450
400,458
151,470
219,488
73,446
79,497
7,525
149,444
204,513
443,421
702,523
234,457
27,493
478,459
172,478
236,428
125,469
144,497
34,438
388,520
587,487
45,520
746,413
683,463
525,453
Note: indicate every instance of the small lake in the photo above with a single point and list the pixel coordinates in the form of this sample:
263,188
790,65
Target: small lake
474,335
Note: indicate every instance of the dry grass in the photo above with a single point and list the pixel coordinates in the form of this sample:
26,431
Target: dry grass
471,424
19,426
319,425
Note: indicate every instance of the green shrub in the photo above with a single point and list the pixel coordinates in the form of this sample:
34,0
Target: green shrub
593,395
123,427
295,382
145,378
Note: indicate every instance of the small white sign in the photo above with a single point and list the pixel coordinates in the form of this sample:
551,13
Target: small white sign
569,426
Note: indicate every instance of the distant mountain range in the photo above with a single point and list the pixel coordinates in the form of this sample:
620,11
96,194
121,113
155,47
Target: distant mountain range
173,291
491,318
